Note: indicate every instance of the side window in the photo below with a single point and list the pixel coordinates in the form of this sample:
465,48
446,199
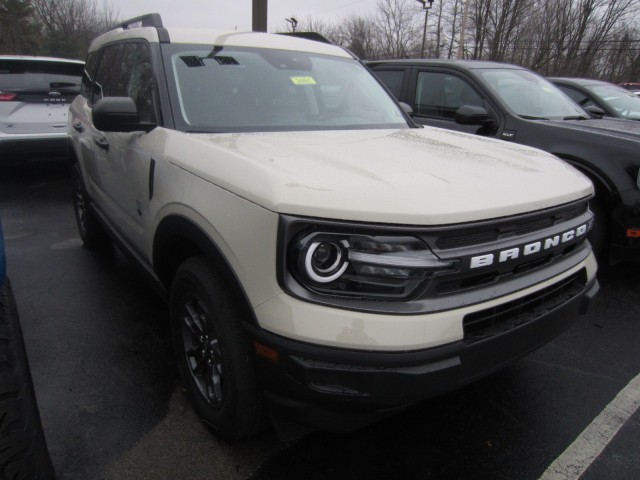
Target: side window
87,76
106,81
578,97
392,79
441,95
136,79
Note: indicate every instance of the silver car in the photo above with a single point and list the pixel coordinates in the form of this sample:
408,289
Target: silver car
35,93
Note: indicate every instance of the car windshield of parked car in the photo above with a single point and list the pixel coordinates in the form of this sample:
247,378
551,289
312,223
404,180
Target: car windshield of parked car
624,102
39,76
531,96
226,89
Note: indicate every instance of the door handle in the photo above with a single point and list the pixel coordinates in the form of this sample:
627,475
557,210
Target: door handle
101,142
78,127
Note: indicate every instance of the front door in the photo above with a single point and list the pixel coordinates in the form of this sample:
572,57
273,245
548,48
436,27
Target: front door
122,160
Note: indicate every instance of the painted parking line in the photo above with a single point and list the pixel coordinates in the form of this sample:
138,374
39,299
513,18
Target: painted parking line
575,460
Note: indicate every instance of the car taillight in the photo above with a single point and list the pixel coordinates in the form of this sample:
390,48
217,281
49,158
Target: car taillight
7,97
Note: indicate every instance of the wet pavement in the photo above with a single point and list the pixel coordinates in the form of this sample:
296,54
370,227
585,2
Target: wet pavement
112,406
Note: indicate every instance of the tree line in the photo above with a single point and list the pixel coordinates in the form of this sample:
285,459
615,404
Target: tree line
587,38
58,28
583,38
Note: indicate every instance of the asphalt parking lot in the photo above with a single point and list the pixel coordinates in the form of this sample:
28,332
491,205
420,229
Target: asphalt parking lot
112,406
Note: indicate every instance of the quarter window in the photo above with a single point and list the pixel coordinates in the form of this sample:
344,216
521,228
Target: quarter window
87,76
392,79
106,83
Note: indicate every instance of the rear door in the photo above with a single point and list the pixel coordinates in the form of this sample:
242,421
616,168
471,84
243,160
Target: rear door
35,94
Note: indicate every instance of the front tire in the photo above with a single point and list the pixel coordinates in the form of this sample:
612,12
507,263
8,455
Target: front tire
214,353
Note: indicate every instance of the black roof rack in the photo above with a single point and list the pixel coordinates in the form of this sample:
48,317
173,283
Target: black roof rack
148,20
317,37
307,36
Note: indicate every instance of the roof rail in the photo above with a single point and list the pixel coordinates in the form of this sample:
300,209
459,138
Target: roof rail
148,20
307,36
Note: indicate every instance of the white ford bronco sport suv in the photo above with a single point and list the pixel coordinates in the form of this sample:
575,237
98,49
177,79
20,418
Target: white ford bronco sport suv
326,261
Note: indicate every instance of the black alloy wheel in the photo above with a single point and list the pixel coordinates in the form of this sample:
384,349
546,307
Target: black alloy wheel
91,233
215,356
202,351
79,202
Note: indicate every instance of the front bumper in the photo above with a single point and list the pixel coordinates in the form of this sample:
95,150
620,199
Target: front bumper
342,389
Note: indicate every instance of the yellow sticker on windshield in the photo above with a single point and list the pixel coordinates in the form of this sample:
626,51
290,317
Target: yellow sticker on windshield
303,80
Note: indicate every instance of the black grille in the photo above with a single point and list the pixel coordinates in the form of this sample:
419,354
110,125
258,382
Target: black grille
502,318
464,239
491,233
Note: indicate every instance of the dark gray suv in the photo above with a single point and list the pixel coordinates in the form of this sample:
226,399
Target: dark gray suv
514,104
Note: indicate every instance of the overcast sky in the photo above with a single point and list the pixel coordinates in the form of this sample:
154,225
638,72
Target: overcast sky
232,14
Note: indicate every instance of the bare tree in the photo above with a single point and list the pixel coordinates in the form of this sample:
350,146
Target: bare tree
69,25
359,34
597,38
398,28
18,34
457,11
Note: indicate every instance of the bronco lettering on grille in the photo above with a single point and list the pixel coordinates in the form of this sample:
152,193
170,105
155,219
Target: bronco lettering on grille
530,248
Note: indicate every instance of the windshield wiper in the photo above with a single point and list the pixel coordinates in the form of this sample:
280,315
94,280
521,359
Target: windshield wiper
576,117
531,117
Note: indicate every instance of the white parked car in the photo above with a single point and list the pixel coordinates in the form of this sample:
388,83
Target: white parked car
322,255
35,94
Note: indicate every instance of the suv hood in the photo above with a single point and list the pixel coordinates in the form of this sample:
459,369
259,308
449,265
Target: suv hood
424,176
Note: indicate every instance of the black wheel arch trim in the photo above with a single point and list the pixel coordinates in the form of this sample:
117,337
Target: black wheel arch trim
194,241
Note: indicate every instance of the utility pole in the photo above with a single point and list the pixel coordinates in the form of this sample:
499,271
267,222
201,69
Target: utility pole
259,16
465,15
426,18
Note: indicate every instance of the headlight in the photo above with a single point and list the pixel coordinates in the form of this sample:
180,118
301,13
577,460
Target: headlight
362,266
325,261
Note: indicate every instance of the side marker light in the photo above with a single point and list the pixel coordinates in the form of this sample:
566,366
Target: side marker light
266,352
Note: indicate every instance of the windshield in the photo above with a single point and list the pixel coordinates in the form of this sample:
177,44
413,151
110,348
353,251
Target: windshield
624,102
34,75
531,96
250,89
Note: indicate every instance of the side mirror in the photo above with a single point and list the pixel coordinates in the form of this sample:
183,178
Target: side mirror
407,108
595,112
472,115
118,114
